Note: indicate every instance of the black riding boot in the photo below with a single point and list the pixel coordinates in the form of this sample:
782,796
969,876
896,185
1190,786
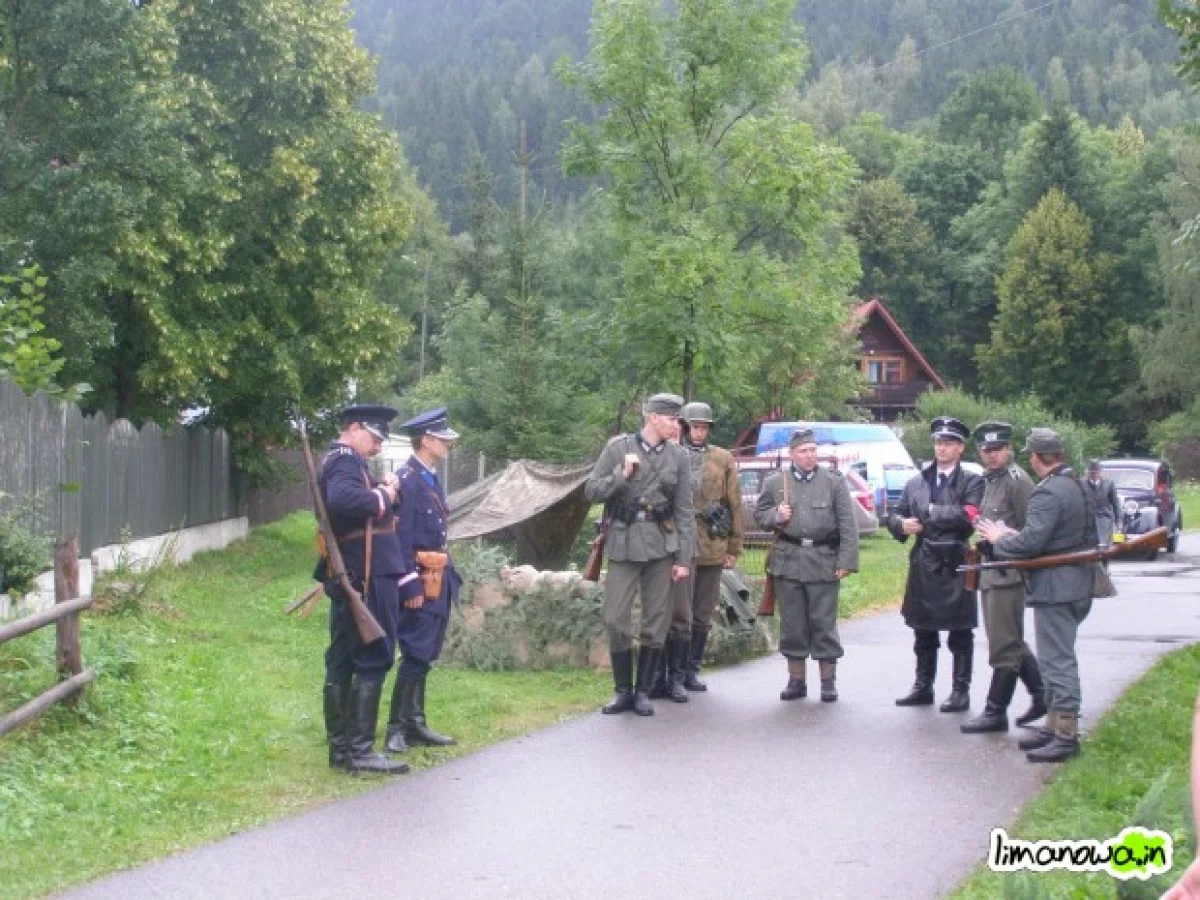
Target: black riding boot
960,695
1031,677
403,702
416,731
995,713
337,721
647,667
691,678
364,716
677,654
659,689
622,666
922,689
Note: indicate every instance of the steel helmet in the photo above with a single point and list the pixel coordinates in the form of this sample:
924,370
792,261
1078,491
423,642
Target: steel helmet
697,412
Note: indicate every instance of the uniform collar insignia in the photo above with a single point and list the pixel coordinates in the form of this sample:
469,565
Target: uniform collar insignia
651,448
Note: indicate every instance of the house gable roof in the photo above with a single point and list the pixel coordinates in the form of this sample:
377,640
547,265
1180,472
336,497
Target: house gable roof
874,306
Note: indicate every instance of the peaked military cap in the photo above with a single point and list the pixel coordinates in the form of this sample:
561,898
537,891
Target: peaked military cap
950,429
1044,440
802,436
664,404
993,435
371,417
435,423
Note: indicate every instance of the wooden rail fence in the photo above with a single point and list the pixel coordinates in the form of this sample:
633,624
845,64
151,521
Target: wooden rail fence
65,616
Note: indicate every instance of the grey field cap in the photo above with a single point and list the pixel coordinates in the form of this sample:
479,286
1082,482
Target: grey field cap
664,404
1044,440
802,436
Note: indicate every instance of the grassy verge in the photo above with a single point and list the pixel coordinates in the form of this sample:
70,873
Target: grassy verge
1188,494
1133,771
206,719
878,584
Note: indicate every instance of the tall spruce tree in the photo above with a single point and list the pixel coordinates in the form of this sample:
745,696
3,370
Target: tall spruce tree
1056,334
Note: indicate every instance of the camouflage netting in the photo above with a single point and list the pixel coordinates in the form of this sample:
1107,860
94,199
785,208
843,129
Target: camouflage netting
539,506
520,618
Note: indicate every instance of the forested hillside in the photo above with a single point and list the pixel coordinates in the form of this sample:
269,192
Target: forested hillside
457,76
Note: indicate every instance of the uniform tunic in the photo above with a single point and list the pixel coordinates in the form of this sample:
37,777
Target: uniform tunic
422,526
714,480
806,585
934,596
641,553
352,498
1107,507
1002,591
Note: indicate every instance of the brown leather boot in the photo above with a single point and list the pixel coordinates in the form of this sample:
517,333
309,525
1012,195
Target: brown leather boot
828,669
796,688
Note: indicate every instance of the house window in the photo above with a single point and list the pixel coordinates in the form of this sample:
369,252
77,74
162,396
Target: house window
884,371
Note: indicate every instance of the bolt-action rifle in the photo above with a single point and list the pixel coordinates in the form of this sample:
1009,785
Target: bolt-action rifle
767,607
368,627
1152,540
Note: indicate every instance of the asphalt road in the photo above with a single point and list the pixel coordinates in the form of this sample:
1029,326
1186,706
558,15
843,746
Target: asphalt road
733,795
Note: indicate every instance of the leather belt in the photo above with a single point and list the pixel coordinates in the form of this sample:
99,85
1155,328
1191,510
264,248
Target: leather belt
806,542
389,528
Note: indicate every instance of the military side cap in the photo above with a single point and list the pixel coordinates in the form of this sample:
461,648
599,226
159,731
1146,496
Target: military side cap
950,429
993,435
664,404
1044,440
435,423
802,436
371,417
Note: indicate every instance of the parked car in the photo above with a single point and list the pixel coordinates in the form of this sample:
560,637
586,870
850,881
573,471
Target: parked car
896,476
1146,493
753,472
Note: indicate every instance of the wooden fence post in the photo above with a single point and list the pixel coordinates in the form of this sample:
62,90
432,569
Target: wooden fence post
69,656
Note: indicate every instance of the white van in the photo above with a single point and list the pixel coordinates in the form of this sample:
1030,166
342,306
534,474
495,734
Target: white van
869,449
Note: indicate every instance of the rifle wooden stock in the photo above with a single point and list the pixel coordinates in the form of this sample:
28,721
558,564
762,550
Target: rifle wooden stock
368,628
974,556
595,560
767,607
1152,540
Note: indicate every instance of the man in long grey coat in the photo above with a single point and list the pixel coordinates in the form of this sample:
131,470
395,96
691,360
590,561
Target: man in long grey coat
1057,521
1104,501
644,480
816,546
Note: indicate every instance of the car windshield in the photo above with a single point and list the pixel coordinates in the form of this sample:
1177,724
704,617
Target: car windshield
896,477
1138,479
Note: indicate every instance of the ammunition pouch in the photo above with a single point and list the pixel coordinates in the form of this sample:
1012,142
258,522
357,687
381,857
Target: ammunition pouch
663,513
622,508
717,519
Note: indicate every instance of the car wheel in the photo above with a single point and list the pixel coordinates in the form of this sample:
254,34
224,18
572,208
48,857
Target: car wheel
1173,540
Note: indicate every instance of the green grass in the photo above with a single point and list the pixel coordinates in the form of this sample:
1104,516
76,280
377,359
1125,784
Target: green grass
1133,770
878,584
1188,494
206,719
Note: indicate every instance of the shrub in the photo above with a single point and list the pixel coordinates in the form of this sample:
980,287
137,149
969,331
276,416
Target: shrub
1082,441
25,551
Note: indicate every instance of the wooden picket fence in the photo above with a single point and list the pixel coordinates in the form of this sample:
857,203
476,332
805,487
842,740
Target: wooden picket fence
69,656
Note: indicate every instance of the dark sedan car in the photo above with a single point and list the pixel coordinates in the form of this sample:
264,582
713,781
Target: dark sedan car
1147,496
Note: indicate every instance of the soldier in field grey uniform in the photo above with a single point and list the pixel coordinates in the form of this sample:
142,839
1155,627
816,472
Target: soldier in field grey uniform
816,547
1058,520
1104,501
645,483
1002,591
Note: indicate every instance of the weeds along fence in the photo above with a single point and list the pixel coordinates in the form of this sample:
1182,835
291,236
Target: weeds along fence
68,606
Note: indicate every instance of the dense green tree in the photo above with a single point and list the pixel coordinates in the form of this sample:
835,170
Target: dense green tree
988,110
313,205
723,206
1056,334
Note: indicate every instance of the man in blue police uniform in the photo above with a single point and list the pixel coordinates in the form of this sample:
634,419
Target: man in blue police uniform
423,618
360,515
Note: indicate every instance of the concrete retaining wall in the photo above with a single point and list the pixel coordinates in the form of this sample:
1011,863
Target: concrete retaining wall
187,543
